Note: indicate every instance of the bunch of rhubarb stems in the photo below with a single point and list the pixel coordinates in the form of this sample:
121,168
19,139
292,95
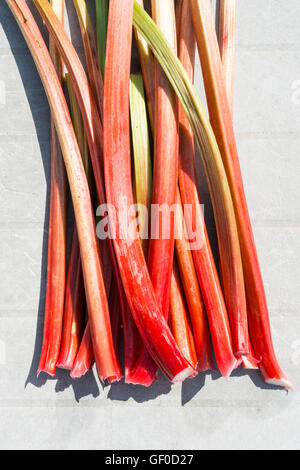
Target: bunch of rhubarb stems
140,268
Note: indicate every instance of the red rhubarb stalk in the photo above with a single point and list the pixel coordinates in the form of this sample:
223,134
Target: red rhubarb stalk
178,13
85,355
137,284
221,120
115,315
202,338
115,318
211,158
179,321
143,370
92,123
203,257
165,171
227,51
94,285
74,298
93,69
231,273
74,308
55,293
212,162
91,119
192,292
227,44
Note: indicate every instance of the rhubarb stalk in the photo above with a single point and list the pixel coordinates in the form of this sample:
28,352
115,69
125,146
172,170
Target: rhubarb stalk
227,44
213,165
192,292
179,321
94,285
55,293
102,7
221,120
147,65
91,54
190,283
165,171
145,369
137,284
227,50
74,298
232,280
85,355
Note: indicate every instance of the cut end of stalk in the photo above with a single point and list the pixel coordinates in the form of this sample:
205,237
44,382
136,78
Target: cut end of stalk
235,366
281,383
278,382
250,363
76,374
64,366
141,376
115,378
79,371
184,374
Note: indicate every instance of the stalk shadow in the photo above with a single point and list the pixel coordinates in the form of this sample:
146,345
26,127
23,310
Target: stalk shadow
191,387
38,105
255,377
124,392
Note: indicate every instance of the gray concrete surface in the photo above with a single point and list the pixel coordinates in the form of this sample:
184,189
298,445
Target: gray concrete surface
207,412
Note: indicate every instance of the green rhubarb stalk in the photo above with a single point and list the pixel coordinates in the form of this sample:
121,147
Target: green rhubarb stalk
102,7
91,55
141,153
147,65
